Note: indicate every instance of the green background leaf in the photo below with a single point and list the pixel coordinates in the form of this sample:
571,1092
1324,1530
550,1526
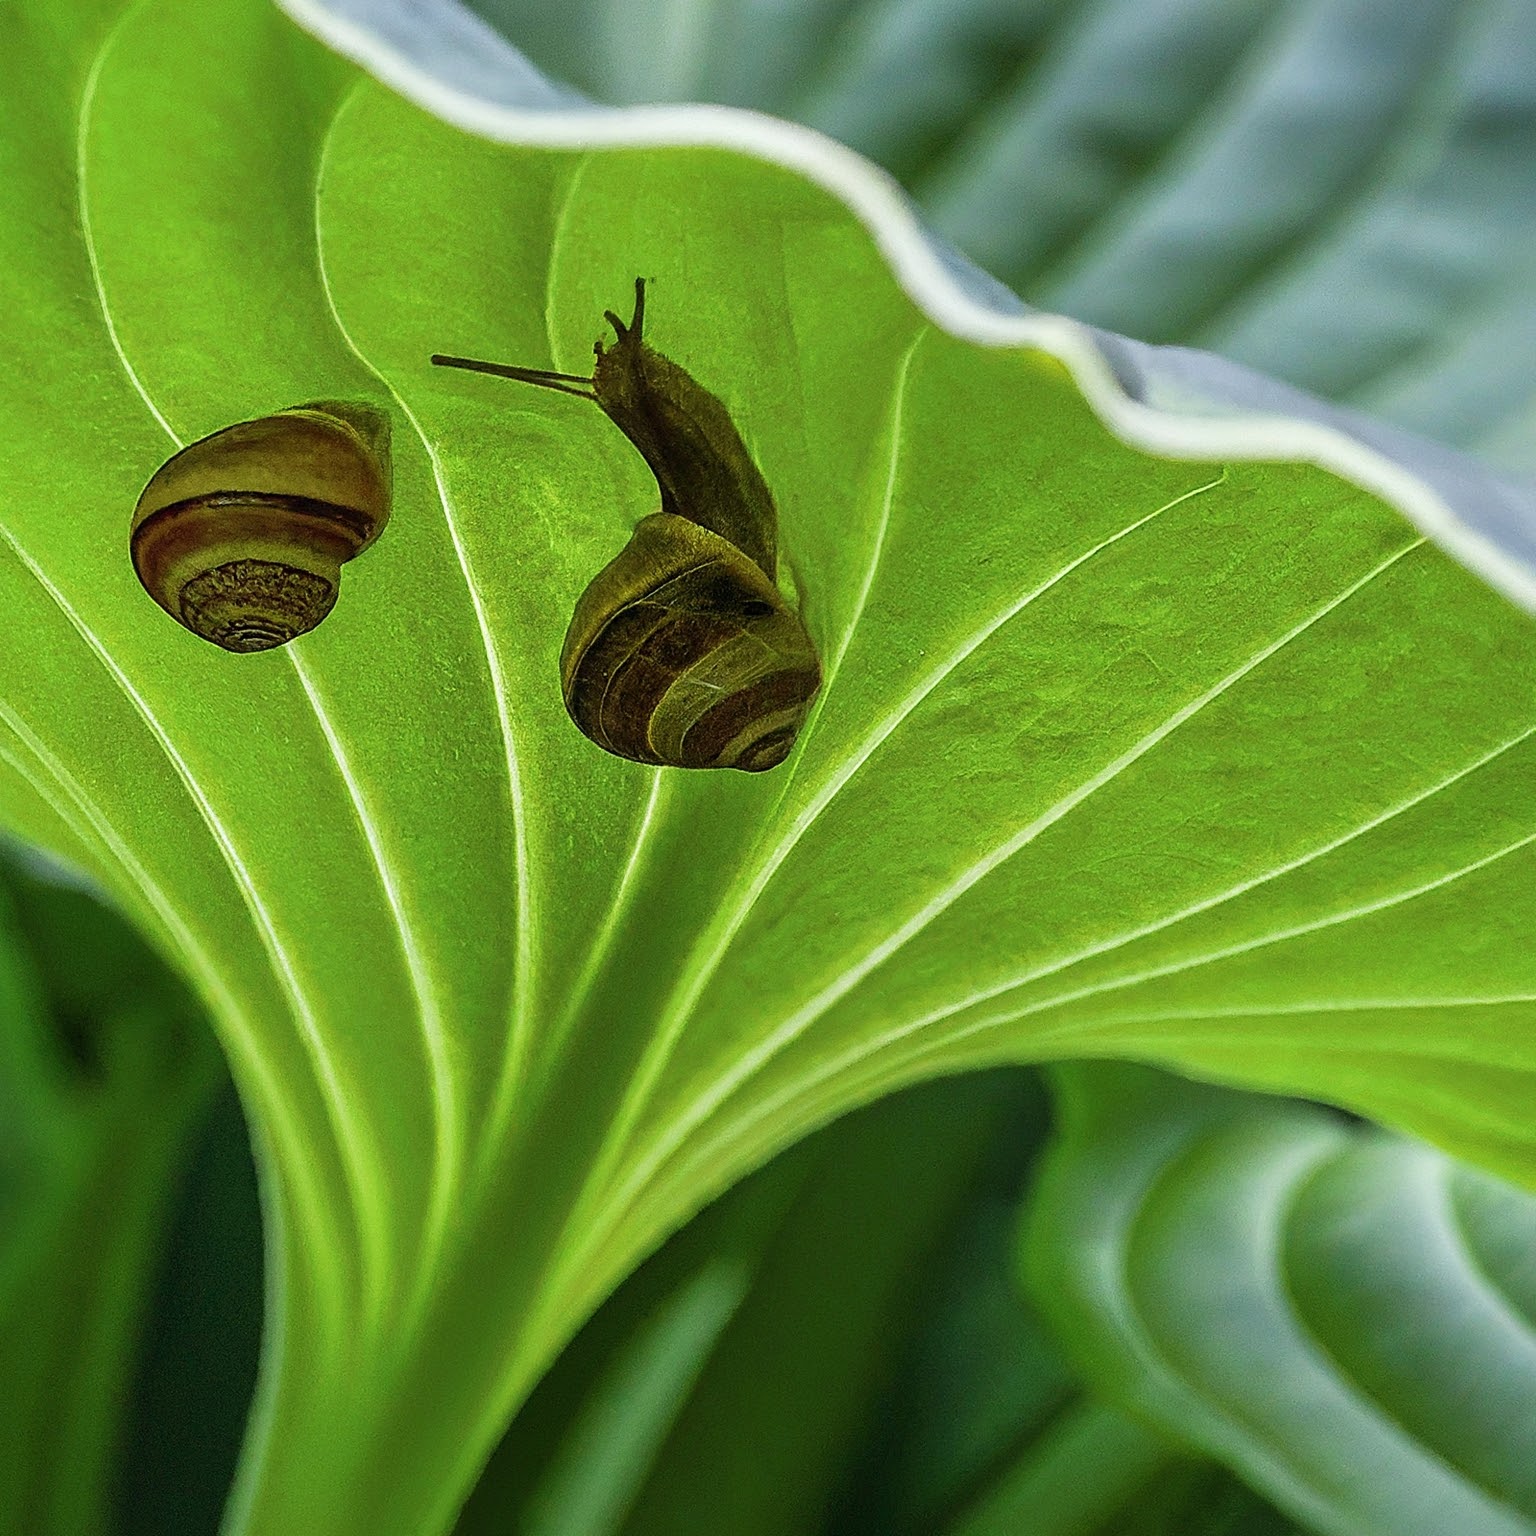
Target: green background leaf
811,1273
1344,1316
879,1373
197,1355
1213,763
105,1074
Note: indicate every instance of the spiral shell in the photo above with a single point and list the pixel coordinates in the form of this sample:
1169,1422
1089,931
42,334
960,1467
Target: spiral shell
241,536
682,651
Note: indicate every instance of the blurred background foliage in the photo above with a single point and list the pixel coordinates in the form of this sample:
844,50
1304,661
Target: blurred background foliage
1340,193
107,1078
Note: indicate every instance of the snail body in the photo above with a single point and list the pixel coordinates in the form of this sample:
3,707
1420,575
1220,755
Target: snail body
241,535
682,651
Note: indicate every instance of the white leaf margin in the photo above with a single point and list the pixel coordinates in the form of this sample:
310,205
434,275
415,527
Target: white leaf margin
1172,401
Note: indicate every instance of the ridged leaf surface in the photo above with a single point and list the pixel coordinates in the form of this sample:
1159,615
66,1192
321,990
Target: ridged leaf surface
1212,761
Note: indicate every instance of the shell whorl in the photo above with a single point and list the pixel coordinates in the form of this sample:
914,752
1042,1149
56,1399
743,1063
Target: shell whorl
681,652
241,535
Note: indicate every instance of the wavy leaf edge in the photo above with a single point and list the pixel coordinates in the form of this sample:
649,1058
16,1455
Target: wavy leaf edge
1175,402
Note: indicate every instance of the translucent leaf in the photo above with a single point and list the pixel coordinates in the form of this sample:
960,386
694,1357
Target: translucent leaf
1142,733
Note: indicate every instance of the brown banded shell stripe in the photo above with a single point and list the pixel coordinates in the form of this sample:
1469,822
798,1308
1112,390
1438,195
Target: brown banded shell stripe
738,662
593,675
361,526
605,653
177,544
728,724
241,536
646,675
604,628
764,743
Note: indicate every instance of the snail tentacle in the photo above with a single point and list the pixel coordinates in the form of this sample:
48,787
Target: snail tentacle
547,377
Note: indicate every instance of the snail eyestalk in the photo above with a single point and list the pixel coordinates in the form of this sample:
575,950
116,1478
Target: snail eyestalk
637,321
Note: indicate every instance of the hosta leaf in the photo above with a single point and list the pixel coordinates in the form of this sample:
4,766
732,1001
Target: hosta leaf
1096,1471
978,1374
1210,758
800,1374
685,1295
848,1318
1339,194
1346,1317
985,1430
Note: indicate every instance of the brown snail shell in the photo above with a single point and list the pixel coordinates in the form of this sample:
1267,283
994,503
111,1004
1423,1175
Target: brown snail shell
241,535
682,651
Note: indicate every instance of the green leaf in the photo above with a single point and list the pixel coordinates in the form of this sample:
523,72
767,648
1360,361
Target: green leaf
196,1371
801,1373
1117,752
102,1080
592,1485
983,1427
846,1319
1340,195
781,1307
686,1292
977,1375
1345,1317
1099,1472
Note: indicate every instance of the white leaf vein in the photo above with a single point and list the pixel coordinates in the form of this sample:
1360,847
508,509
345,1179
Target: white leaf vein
750,1062
450,1132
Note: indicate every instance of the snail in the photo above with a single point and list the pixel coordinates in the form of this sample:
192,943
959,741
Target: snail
681,651
241,536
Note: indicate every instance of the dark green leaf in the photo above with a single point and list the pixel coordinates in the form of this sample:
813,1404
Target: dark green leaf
1330,1310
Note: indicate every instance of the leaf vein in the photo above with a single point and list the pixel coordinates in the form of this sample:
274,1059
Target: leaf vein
602,941
1198,908
369,1214
450,1131
751,1062
82,131
346,1131
88,819
835,1066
